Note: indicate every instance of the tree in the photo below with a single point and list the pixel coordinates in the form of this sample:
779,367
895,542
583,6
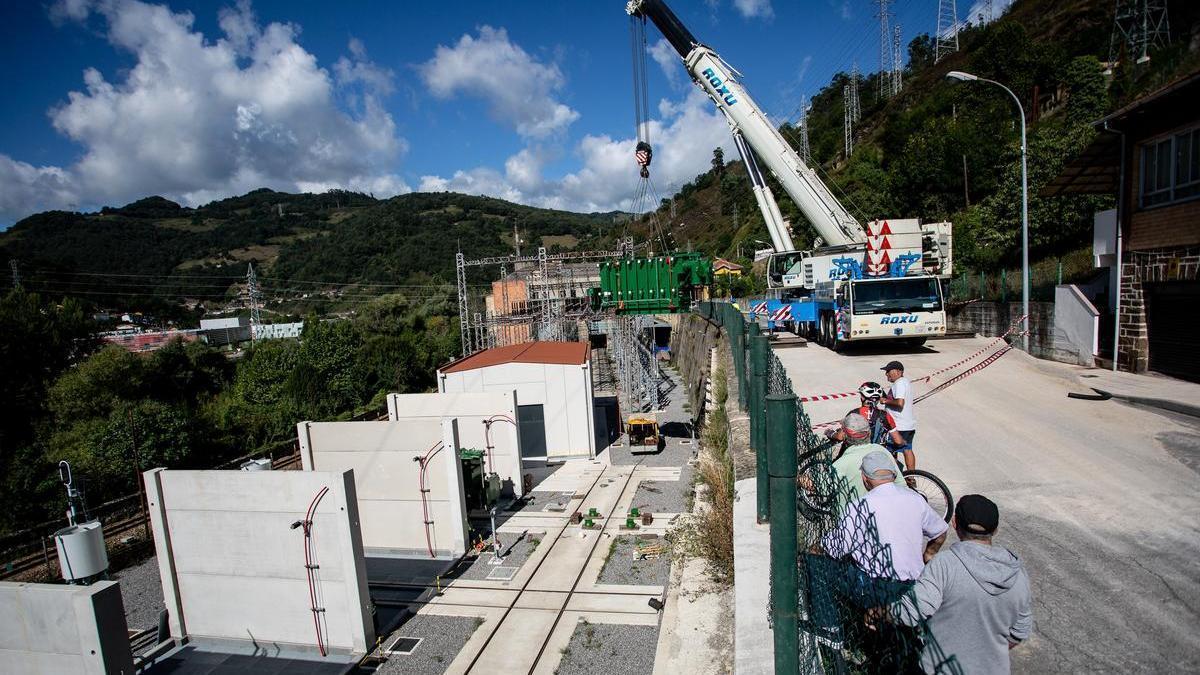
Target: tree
718,161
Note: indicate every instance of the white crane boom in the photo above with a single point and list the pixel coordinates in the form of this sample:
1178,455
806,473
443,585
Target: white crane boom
831,220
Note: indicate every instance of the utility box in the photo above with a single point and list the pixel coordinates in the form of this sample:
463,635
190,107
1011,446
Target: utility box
81,552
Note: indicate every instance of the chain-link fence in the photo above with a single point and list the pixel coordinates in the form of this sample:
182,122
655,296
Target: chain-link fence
848,598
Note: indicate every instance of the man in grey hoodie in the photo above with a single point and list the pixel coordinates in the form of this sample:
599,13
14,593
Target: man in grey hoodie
974,594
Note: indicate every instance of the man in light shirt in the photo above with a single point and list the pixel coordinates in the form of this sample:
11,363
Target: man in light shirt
906,526
899,401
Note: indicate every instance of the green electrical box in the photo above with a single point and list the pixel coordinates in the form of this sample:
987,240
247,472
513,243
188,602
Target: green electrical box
667,284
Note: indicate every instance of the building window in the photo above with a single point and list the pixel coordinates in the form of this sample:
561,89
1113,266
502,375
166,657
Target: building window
1171,169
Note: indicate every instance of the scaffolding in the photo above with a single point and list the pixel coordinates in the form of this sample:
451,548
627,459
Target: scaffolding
538,297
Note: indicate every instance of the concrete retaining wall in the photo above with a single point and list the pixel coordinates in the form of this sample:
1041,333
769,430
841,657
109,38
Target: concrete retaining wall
382,456
471,409
233,567
692,340
990,319
49,629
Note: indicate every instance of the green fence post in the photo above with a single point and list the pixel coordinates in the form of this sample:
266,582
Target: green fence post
760,351
1004,285
736,327
1060,271
781,459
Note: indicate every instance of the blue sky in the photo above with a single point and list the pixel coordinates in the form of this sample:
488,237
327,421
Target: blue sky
111,100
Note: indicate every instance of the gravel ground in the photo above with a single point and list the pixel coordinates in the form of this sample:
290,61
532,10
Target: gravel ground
481,566
142,594
661,496
621,568
607,649
442,638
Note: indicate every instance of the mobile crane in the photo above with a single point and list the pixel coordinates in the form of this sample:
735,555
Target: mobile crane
858,284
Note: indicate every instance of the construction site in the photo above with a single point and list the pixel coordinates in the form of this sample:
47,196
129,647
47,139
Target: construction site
624,470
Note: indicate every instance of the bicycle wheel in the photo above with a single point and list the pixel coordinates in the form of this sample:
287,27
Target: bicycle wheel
933,490
817,498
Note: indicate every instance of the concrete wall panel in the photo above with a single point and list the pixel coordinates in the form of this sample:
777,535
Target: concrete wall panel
382,456
470,409
47,629
233,568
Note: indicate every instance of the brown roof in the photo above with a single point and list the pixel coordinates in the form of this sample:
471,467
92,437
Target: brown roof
564,353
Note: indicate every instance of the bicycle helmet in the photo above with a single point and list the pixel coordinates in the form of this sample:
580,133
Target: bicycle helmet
870,391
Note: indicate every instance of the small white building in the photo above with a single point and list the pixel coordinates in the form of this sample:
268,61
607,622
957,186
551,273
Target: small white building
553,382
278,331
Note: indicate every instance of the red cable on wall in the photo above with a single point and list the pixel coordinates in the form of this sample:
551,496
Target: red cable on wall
310,568
423,462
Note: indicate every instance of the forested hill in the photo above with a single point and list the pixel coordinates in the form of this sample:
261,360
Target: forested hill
943,151
154,249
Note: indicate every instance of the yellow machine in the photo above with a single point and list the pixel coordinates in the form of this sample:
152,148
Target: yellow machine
643,432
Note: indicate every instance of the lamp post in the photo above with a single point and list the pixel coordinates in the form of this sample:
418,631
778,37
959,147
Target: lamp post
960,76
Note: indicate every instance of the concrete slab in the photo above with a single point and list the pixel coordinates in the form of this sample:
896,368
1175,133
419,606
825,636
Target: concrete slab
697,629
541,600
461,596
517,641
754,641
610,602
564,560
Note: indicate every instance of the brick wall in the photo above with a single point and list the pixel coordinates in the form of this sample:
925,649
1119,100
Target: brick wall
1165,226
1139,268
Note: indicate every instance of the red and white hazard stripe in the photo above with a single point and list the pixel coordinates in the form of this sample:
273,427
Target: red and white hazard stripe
759,308
782,314
827,397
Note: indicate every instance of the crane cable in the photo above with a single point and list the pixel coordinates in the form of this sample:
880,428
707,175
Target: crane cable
646,198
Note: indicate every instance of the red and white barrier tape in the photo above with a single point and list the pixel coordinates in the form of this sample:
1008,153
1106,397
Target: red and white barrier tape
970,371
827,397
972,357
1012,327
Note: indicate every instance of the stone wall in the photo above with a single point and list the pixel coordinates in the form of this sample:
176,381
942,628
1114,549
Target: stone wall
692,340
1139,268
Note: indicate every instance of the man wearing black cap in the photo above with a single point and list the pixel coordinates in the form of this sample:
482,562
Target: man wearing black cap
899,402
974,594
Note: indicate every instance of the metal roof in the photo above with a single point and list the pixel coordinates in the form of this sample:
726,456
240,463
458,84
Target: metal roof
561,353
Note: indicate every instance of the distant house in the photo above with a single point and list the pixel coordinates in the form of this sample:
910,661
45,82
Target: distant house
722,267
1148,155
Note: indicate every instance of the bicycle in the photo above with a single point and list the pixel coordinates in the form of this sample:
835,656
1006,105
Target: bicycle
817,500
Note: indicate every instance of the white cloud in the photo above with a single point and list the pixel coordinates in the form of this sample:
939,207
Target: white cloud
683,135
752,9
518,89
804,66
195,119
668,59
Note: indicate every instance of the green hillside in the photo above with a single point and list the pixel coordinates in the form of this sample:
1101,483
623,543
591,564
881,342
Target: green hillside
950,151
157,256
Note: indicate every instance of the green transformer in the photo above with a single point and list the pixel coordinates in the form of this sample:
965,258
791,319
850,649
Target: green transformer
666,284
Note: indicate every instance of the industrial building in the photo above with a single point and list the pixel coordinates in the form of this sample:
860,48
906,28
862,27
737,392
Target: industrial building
553,385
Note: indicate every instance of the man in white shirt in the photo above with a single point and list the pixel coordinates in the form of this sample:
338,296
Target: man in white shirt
900,402
903,522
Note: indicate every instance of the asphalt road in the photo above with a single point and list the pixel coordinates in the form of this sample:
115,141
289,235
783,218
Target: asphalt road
1100,499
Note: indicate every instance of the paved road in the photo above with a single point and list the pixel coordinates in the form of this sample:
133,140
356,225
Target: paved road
1100,499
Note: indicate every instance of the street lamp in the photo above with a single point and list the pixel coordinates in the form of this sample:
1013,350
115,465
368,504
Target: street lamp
959,76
